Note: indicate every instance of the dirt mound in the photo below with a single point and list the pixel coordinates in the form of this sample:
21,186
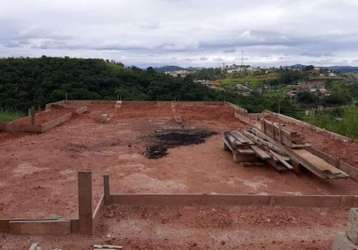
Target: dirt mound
165,139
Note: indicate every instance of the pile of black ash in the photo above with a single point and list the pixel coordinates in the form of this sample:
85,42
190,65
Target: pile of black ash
164,139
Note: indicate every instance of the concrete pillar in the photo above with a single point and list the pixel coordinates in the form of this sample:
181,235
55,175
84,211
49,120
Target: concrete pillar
85,202
343,243
349,239
352,228
106,191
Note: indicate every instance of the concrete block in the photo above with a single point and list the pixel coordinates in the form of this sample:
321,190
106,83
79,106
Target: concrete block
343,243
352,228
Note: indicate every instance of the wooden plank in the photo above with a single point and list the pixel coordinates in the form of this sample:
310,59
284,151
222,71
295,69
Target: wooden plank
85,202
106,190
246,151
276,147
4,226
282,159
261,153
320,164
243,139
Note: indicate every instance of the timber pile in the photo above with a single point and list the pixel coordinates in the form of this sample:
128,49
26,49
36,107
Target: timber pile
282,148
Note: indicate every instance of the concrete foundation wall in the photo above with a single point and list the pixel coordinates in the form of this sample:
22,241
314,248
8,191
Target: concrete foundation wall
36,227
54,123
310,126
11,127
49,105
333,201
88,102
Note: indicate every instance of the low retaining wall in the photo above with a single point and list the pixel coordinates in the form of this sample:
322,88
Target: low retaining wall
310,126
49,105
41,128
36,227
12,127
54,123
332,201
240,113
88,102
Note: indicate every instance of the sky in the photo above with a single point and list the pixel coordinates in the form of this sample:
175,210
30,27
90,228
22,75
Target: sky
199,33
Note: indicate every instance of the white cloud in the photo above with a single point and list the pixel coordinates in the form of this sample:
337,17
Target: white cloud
271,32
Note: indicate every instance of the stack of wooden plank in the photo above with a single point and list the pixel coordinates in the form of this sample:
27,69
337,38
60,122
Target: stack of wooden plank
282,148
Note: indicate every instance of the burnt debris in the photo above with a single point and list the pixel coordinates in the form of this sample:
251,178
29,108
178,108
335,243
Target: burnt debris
162,140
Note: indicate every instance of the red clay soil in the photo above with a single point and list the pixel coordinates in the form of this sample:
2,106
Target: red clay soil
201,228
39,181
39,172
346,151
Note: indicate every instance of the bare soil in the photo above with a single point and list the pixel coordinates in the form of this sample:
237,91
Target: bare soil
39,180
201,228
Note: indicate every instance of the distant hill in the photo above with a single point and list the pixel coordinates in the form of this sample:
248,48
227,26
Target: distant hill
168,68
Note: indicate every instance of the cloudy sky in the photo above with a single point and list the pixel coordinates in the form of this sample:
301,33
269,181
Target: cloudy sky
184,32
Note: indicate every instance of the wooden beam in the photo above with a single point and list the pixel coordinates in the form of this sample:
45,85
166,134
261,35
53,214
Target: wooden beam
106,190
85,202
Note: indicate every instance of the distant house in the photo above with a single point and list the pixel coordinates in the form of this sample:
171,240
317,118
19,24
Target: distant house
209,83
332,74
317,87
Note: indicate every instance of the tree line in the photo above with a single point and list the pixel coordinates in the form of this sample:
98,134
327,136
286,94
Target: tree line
27,82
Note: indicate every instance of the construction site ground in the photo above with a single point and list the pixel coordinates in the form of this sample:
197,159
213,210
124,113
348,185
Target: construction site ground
247,228
39,180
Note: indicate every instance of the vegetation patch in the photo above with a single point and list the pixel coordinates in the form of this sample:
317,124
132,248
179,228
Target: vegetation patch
341,120
8,116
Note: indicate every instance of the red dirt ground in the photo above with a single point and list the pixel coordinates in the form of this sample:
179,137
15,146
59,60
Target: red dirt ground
201,228
39,179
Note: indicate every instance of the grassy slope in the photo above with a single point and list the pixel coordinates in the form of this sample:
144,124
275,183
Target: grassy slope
8,116
252,79
346,123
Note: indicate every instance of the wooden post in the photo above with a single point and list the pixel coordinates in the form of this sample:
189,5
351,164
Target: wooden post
4,226
107,193
33,115
85,202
